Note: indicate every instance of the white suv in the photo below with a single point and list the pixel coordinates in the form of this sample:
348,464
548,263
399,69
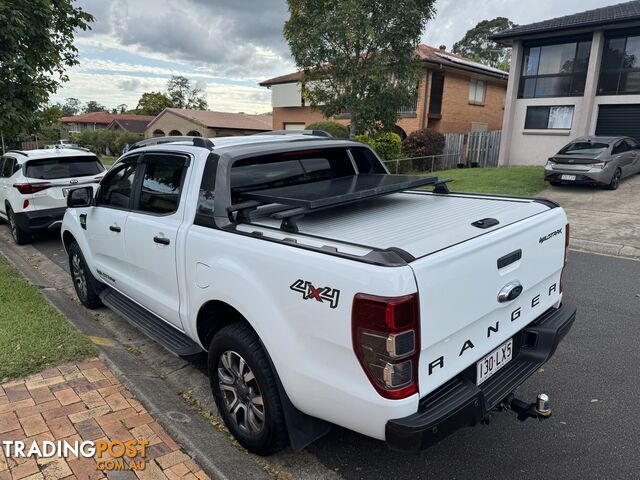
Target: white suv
34,185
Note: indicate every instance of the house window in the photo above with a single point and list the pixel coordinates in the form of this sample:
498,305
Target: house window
476,92
620,70
558,70
552,118
294,126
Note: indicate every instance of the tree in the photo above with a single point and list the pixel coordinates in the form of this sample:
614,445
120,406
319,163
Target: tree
477,44
185,95
358,57
93,106
152,103
122,108
70,107
36,47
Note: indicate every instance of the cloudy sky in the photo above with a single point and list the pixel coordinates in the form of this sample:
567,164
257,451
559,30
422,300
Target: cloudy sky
228,46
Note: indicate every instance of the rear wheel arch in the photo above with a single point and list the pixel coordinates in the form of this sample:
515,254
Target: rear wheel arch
212,317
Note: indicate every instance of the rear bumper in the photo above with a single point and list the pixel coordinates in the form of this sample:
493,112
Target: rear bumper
602,177
38,220
461,403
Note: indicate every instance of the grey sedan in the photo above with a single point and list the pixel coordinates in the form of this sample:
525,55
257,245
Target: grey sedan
594,161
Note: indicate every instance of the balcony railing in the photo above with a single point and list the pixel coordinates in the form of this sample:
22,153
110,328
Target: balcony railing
411,108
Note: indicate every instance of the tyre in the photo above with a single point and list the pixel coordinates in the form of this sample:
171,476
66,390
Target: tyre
615,180
19,236
245,390
84,282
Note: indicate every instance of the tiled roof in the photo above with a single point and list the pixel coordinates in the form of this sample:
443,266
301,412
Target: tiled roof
612,14
239,121
105,118
424,52
132,125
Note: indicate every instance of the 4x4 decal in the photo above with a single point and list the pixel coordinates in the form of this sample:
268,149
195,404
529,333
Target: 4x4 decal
320,294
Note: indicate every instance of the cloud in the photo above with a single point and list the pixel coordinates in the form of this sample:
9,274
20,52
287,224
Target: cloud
228,46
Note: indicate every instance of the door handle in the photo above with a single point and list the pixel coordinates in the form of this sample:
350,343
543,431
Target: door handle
115,228
161,240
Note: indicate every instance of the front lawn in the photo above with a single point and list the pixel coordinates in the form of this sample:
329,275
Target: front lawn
525,181
33,334
108,161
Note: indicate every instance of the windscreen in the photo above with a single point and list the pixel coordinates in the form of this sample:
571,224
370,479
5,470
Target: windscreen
290,168
63,167
584,148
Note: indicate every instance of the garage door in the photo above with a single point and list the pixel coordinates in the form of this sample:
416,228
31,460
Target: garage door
619,120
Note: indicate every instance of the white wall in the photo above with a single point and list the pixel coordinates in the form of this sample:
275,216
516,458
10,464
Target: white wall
286,95
534,147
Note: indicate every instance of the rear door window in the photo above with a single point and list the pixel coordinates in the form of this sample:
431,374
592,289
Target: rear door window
63,167
162,183
117,187
8,167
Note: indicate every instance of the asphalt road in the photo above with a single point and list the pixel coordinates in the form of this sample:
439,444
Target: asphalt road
593,382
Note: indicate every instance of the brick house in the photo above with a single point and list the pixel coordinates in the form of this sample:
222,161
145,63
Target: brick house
454,94
203,123
101,120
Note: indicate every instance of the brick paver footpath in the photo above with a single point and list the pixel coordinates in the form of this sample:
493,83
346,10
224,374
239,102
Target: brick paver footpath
79,402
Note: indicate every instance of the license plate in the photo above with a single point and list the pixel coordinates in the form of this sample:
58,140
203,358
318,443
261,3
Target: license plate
568,177
65,192
494,361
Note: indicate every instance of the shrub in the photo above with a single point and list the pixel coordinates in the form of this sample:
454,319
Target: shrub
423,143
334,128
386,144
105,142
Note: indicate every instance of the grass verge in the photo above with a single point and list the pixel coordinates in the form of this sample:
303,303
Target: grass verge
526,181
33,334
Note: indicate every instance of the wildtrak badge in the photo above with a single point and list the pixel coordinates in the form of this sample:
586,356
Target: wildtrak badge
550,235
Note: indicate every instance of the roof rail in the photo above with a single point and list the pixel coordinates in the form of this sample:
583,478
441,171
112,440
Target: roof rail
19,152
195,141
315,133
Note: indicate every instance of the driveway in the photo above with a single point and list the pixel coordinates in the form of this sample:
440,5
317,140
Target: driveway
602,221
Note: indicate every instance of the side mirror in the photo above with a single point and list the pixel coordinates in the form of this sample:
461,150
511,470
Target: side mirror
80,197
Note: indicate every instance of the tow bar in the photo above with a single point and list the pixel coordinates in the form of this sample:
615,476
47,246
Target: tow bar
540,409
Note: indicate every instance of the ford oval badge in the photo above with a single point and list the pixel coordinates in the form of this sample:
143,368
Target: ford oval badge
510,291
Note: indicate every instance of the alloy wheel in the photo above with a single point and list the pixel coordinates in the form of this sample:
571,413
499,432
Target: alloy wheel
12,225
241,392
79,277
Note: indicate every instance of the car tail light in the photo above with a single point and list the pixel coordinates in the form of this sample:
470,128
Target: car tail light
598,165
567,237
28,188
386,340
25,204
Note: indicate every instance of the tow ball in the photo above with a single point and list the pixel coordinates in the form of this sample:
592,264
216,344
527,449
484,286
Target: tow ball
540,409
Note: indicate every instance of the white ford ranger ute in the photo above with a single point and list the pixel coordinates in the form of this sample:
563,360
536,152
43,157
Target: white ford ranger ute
325,290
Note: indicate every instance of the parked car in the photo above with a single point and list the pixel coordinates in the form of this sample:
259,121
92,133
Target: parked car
601,161
325,290
34,185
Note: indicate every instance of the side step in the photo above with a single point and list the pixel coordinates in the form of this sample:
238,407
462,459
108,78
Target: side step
150,324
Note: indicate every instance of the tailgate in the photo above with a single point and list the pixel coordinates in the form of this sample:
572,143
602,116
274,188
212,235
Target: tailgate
459,286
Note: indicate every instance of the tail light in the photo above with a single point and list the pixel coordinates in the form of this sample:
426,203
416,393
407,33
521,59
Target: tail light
598,165
567,237
386,340
29,188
